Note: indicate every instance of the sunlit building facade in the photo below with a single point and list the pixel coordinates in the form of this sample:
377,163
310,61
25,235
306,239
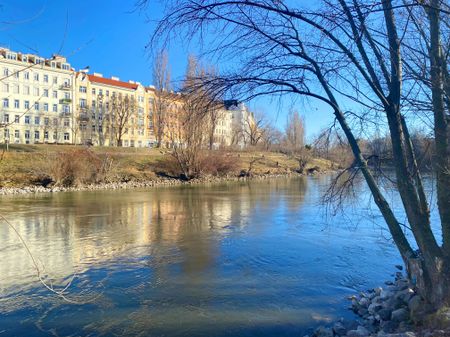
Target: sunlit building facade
36,99
47,101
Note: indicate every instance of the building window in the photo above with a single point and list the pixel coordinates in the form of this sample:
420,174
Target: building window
83,89
82,103
46,135
46,121
55,94
93,91
53,64
66,136
24,58
55,79
16,104
45,106
45,92
45,78
36,106
65,66
36,77
37,120
55,135
36,91
26,90
6,118
26,75
5,87
67,95
5,72
66,122
16,119
27,119
66,109
100,92
27,105
16,134
27,134
55,121
55,107
16,89
36,134
5,103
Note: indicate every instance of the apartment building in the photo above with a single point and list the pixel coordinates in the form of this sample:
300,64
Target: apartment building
36,98
47,101
242,121
110,112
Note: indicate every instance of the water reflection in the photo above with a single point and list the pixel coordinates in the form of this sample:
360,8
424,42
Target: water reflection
232,259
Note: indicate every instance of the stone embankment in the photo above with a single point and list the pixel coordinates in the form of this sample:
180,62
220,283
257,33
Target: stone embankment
159,182
391,311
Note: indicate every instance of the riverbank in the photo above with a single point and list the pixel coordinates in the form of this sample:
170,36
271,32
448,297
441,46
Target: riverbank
160,182
44,168
395,310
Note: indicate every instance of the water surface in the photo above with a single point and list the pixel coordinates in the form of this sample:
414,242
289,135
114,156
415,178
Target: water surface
237,259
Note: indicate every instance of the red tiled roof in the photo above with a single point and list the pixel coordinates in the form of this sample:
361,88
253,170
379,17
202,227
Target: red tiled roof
114,83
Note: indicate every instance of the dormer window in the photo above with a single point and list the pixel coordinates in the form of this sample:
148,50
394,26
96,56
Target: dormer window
65,66
24,58
11,56
39,61
53,64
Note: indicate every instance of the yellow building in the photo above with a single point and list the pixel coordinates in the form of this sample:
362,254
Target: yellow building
110,112
47,101
36,98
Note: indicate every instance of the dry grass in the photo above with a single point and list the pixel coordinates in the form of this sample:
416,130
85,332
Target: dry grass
20,166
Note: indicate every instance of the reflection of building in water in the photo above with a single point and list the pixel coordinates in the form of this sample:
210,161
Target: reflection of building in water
71,232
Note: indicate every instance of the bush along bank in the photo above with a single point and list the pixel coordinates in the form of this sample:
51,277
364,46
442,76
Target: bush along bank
395,310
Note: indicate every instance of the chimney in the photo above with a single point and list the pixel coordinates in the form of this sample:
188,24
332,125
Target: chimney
115,78
98,75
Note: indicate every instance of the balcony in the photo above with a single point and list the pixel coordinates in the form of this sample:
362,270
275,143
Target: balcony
83,117
65,86
65,101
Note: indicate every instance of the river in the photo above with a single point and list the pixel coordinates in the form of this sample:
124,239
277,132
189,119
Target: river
260,258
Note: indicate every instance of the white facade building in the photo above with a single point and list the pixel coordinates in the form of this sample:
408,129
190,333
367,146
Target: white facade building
36,98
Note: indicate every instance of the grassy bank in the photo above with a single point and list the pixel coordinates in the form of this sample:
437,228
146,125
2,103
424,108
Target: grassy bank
27,165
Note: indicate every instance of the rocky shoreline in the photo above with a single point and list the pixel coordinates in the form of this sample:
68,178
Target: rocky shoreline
159,182
395,310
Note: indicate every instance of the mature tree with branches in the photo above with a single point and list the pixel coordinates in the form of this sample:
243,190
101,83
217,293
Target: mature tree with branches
349,54
122,109
161,81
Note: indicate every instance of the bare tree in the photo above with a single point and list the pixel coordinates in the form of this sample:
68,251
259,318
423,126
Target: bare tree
123,109
161,81
342,49
295,131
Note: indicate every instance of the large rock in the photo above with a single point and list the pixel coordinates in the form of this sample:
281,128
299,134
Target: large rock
415,303
339,329
389,326
323,332
374,308
359,332
400,315
385,314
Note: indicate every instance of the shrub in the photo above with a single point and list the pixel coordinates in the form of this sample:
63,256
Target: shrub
73,168
216,163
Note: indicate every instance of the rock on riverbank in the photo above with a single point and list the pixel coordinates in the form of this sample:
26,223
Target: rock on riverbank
390,311
139,184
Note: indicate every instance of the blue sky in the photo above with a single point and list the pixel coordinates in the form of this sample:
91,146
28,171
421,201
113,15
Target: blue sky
110,37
